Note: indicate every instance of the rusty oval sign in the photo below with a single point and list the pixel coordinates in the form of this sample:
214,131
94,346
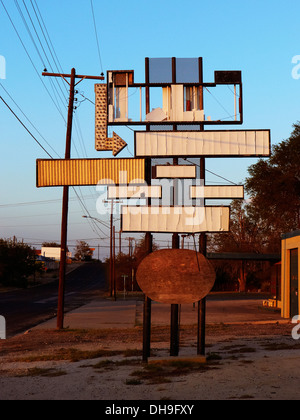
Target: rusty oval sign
176,276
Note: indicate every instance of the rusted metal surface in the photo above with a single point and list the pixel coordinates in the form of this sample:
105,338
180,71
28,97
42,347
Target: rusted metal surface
176,276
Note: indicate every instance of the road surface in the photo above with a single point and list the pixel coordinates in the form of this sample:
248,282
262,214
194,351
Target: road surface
24,309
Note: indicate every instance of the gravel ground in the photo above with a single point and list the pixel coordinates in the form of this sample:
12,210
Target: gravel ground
244,361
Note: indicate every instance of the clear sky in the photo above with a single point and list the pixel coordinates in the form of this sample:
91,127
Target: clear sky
260,38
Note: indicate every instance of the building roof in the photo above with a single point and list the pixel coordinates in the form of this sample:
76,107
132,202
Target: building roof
293,234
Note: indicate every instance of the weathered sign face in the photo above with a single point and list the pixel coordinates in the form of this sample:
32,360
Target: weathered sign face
176,276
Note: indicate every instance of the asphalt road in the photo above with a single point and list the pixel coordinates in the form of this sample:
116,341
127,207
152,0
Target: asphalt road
24,309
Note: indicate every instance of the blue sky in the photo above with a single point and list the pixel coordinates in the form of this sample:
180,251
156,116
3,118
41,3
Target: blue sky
260,38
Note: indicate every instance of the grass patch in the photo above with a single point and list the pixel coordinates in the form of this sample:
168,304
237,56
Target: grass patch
169,369
49,373
132,353
133,382
281,346
71,354
213,357
104,364
239,349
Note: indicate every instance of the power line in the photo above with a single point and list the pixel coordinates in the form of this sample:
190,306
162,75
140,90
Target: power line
28,30
47,33
41,44
80,200
29,203
97,40
30,122
34,138
30,59
213,173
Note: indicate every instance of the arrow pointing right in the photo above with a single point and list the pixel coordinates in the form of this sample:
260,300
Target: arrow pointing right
114,143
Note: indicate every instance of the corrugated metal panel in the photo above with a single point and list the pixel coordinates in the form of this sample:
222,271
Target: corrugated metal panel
73,172
175,219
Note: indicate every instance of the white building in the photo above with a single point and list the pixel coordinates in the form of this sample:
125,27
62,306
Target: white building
53,253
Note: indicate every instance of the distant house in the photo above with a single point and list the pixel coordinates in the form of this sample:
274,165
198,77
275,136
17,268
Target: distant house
53,253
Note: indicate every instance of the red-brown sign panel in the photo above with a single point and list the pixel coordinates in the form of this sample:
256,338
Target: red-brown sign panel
176,276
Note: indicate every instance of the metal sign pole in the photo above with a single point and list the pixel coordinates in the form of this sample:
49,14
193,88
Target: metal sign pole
202,238
148,238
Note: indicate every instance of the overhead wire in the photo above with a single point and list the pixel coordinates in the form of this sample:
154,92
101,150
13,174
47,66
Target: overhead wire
56,94
54,87
40,202
96,34
213,173
31,60
43,49
30,122
80,200
34,138
56,61
46,36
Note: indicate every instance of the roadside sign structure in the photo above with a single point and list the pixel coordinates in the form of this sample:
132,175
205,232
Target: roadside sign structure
169,106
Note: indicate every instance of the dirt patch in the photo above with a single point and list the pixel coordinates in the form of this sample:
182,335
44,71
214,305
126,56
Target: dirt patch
244,361
50,341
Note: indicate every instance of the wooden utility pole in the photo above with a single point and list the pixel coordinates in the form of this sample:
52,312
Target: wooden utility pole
111,245
65,203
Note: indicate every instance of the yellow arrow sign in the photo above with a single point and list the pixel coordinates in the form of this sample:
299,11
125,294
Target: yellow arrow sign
103,143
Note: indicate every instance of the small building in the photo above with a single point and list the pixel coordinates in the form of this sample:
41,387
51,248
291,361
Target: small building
290,274
54,253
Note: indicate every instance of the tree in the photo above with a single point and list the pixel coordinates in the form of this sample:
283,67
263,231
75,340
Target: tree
274,189
17,263
273,208
141,250
245,236
83,251
50,245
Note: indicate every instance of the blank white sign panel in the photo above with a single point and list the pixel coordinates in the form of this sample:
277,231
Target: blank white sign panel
217,191
175,219
175,171
202,143
134,191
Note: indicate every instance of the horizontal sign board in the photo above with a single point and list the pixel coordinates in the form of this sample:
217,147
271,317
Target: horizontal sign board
229,143
217,191
134,191
76,172
175,219
175,171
